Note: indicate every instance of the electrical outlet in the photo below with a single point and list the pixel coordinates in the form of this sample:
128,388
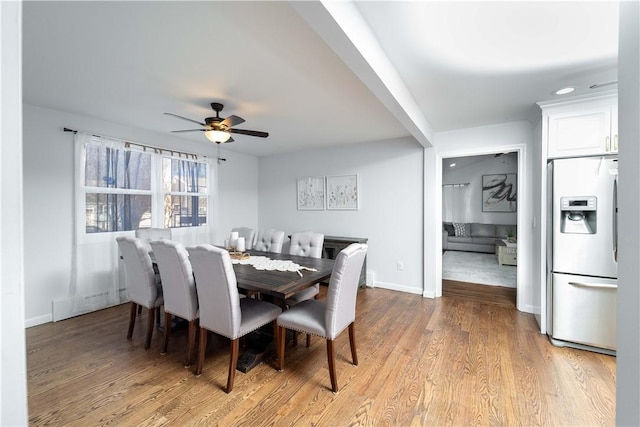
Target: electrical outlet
400,265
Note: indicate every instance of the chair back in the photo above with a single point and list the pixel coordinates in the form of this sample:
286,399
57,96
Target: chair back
343,289
249,235
270,240
306,243
218,297
178,284
151,234
140,277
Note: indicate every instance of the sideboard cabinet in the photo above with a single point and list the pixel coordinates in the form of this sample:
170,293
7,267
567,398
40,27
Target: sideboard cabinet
334,244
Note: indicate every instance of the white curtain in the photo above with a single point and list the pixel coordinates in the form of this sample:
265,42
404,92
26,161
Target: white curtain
97,273
456,206
94,262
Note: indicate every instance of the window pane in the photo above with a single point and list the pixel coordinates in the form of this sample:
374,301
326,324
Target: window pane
183,176
117,212
113,168
185,211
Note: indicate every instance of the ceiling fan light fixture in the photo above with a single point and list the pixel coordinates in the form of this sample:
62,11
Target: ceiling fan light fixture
564,90
217,136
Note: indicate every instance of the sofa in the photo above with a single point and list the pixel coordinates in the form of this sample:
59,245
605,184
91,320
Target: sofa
474,236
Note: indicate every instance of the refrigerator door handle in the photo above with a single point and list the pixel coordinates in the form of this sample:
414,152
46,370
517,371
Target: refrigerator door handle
615,219
594,285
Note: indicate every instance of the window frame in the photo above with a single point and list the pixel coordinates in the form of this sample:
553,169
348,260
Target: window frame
156,190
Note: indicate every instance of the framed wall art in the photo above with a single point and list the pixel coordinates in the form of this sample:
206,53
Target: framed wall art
499,192
342,192
311,195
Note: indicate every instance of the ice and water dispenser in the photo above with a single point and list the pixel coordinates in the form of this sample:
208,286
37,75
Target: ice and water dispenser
578,215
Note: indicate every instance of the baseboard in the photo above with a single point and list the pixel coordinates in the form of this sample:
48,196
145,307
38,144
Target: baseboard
429,294
63,308
40,320
396,287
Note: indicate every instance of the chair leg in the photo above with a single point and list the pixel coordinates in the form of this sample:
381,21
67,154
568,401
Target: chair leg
232,364
201,350
282,334
308,340
132,319
332,365
151,315
191,345
167,331
295,338
352,342
139,309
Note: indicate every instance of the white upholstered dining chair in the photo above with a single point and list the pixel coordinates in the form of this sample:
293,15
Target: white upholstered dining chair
327,319
270,240
143,284
179,291
221,309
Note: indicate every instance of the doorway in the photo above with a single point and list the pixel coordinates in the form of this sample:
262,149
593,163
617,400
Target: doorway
479,226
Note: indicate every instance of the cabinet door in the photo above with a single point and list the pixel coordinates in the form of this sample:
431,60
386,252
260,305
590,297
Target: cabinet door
583,132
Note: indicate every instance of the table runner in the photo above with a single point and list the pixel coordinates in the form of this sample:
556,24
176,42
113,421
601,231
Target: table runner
266,263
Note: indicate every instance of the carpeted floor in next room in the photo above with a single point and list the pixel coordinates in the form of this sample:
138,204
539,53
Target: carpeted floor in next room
477,268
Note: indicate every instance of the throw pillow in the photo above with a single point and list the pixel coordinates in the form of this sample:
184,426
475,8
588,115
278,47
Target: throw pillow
448,227
461,229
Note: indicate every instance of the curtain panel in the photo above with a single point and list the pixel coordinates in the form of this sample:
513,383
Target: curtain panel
120,187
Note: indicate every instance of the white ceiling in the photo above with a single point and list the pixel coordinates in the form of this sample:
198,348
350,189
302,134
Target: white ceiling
462,64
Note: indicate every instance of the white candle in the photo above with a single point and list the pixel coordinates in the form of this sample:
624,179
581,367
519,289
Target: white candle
240,244
233,240
226,243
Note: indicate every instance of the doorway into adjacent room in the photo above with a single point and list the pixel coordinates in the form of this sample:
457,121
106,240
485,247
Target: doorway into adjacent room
479,227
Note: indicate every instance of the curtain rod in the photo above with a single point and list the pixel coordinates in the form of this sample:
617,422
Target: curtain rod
464,184
159,150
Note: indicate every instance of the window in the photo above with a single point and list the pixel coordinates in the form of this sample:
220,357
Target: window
122,193
184,184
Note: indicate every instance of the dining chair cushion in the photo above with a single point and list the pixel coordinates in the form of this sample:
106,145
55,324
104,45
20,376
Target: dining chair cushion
255,313
306,243
307,316
270,240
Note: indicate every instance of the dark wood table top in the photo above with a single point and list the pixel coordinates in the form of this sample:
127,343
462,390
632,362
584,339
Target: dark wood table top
282,284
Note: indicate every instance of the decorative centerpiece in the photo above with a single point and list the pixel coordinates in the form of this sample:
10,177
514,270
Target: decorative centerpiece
236,246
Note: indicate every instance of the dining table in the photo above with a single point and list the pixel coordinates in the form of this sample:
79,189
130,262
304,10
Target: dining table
280,285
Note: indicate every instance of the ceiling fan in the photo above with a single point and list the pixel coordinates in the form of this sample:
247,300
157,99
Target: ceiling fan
218,129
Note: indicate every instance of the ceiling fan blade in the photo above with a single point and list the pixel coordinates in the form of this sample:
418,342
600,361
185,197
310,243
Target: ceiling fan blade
188,130
184,118
250,132
232,121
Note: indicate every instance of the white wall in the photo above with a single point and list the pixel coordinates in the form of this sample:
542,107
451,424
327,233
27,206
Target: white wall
512,136
48,196
237,193
472,174
13,368
628,340
391,203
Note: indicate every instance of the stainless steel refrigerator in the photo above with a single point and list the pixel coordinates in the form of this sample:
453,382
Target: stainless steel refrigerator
582,282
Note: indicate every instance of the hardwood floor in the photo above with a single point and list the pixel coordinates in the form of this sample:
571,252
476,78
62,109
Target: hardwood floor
456,360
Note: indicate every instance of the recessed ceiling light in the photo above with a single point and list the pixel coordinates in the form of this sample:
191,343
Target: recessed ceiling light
564,90
452,165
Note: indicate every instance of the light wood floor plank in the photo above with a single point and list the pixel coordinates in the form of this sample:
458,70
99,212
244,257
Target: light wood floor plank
468,358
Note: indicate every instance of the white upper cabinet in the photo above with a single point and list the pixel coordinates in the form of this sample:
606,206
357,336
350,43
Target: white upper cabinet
585,127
